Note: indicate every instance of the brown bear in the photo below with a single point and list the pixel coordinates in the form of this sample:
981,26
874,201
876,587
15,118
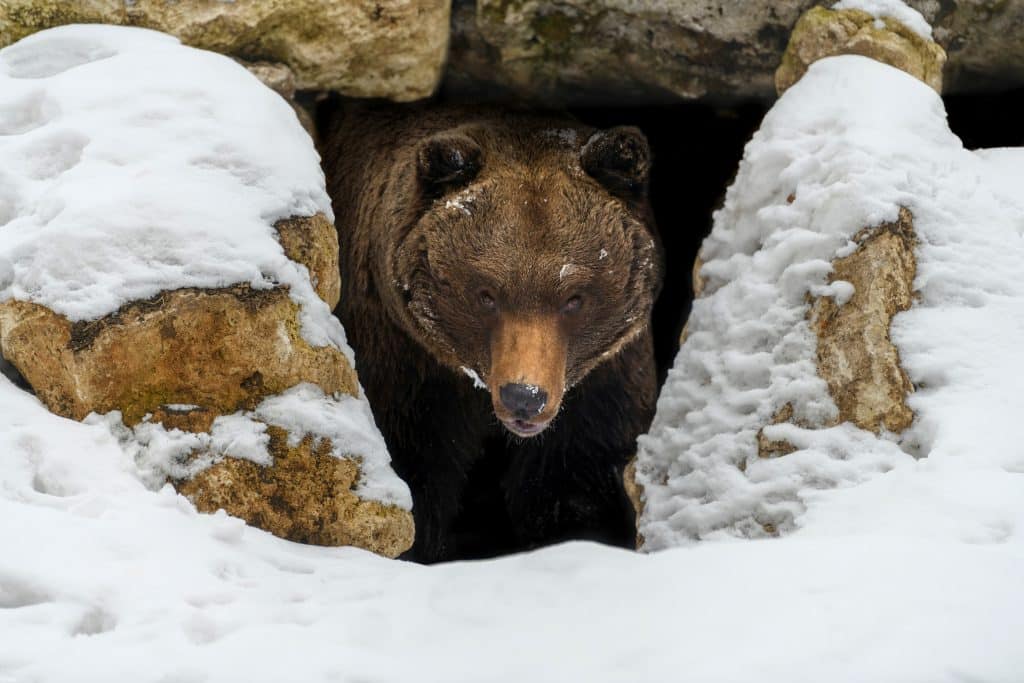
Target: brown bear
498,271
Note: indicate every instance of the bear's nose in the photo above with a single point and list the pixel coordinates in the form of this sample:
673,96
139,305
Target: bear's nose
524,400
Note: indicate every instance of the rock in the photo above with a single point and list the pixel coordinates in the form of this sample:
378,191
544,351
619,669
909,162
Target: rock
601,51
768,448
823,33
221,349
177,306
362,48
984,40
697,287
855,355
790,381
307,496
634,491
313,242
188,356
278,77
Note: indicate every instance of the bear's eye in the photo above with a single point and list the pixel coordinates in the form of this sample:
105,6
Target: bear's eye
487,300
572,305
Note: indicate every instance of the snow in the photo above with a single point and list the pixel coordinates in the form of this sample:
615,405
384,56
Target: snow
102,578
902,562
462,201
133,164
894,9
473,375
853,142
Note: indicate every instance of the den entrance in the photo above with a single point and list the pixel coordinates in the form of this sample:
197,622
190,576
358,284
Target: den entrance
697,148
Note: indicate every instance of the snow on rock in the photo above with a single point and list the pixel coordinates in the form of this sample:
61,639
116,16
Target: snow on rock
475,376
894,9
844,149
167,257
133,164
348,423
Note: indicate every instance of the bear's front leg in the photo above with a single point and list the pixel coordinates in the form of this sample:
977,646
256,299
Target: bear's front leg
556,495
435,438
567,482
436,491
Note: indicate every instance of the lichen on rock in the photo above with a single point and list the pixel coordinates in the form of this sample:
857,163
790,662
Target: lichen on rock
221,349
305,497
313,242
855,354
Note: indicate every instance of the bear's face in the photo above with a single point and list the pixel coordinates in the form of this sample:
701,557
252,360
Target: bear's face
529,258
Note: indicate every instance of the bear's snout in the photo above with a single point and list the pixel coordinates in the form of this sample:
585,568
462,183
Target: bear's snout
524,401
527,377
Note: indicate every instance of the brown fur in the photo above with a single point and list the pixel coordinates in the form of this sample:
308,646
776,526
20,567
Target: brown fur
444,211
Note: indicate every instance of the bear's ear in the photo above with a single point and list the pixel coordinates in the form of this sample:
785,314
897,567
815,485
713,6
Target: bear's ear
619,158
447,161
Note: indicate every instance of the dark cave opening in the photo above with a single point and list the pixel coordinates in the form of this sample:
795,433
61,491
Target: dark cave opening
987,119
697,147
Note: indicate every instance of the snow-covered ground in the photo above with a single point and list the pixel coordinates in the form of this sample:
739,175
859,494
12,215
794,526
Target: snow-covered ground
103,579
901,568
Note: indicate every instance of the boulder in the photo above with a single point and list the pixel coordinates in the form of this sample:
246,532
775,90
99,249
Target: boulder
362,48
177,305
822,33
790,379
601,51
307,496
313,242
984,40
222,349
856,357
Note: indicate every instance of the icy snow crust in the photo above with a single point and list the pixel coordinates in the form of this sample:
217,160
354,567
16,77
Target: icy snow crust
133,164
850,143
910,576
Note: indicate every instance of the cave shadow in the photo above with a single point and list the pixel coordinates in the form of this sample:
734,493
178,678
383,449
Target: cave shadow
696,148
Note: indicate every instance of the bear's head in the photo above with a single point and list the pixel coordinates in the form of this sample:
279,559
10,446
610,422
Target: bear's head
526,256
